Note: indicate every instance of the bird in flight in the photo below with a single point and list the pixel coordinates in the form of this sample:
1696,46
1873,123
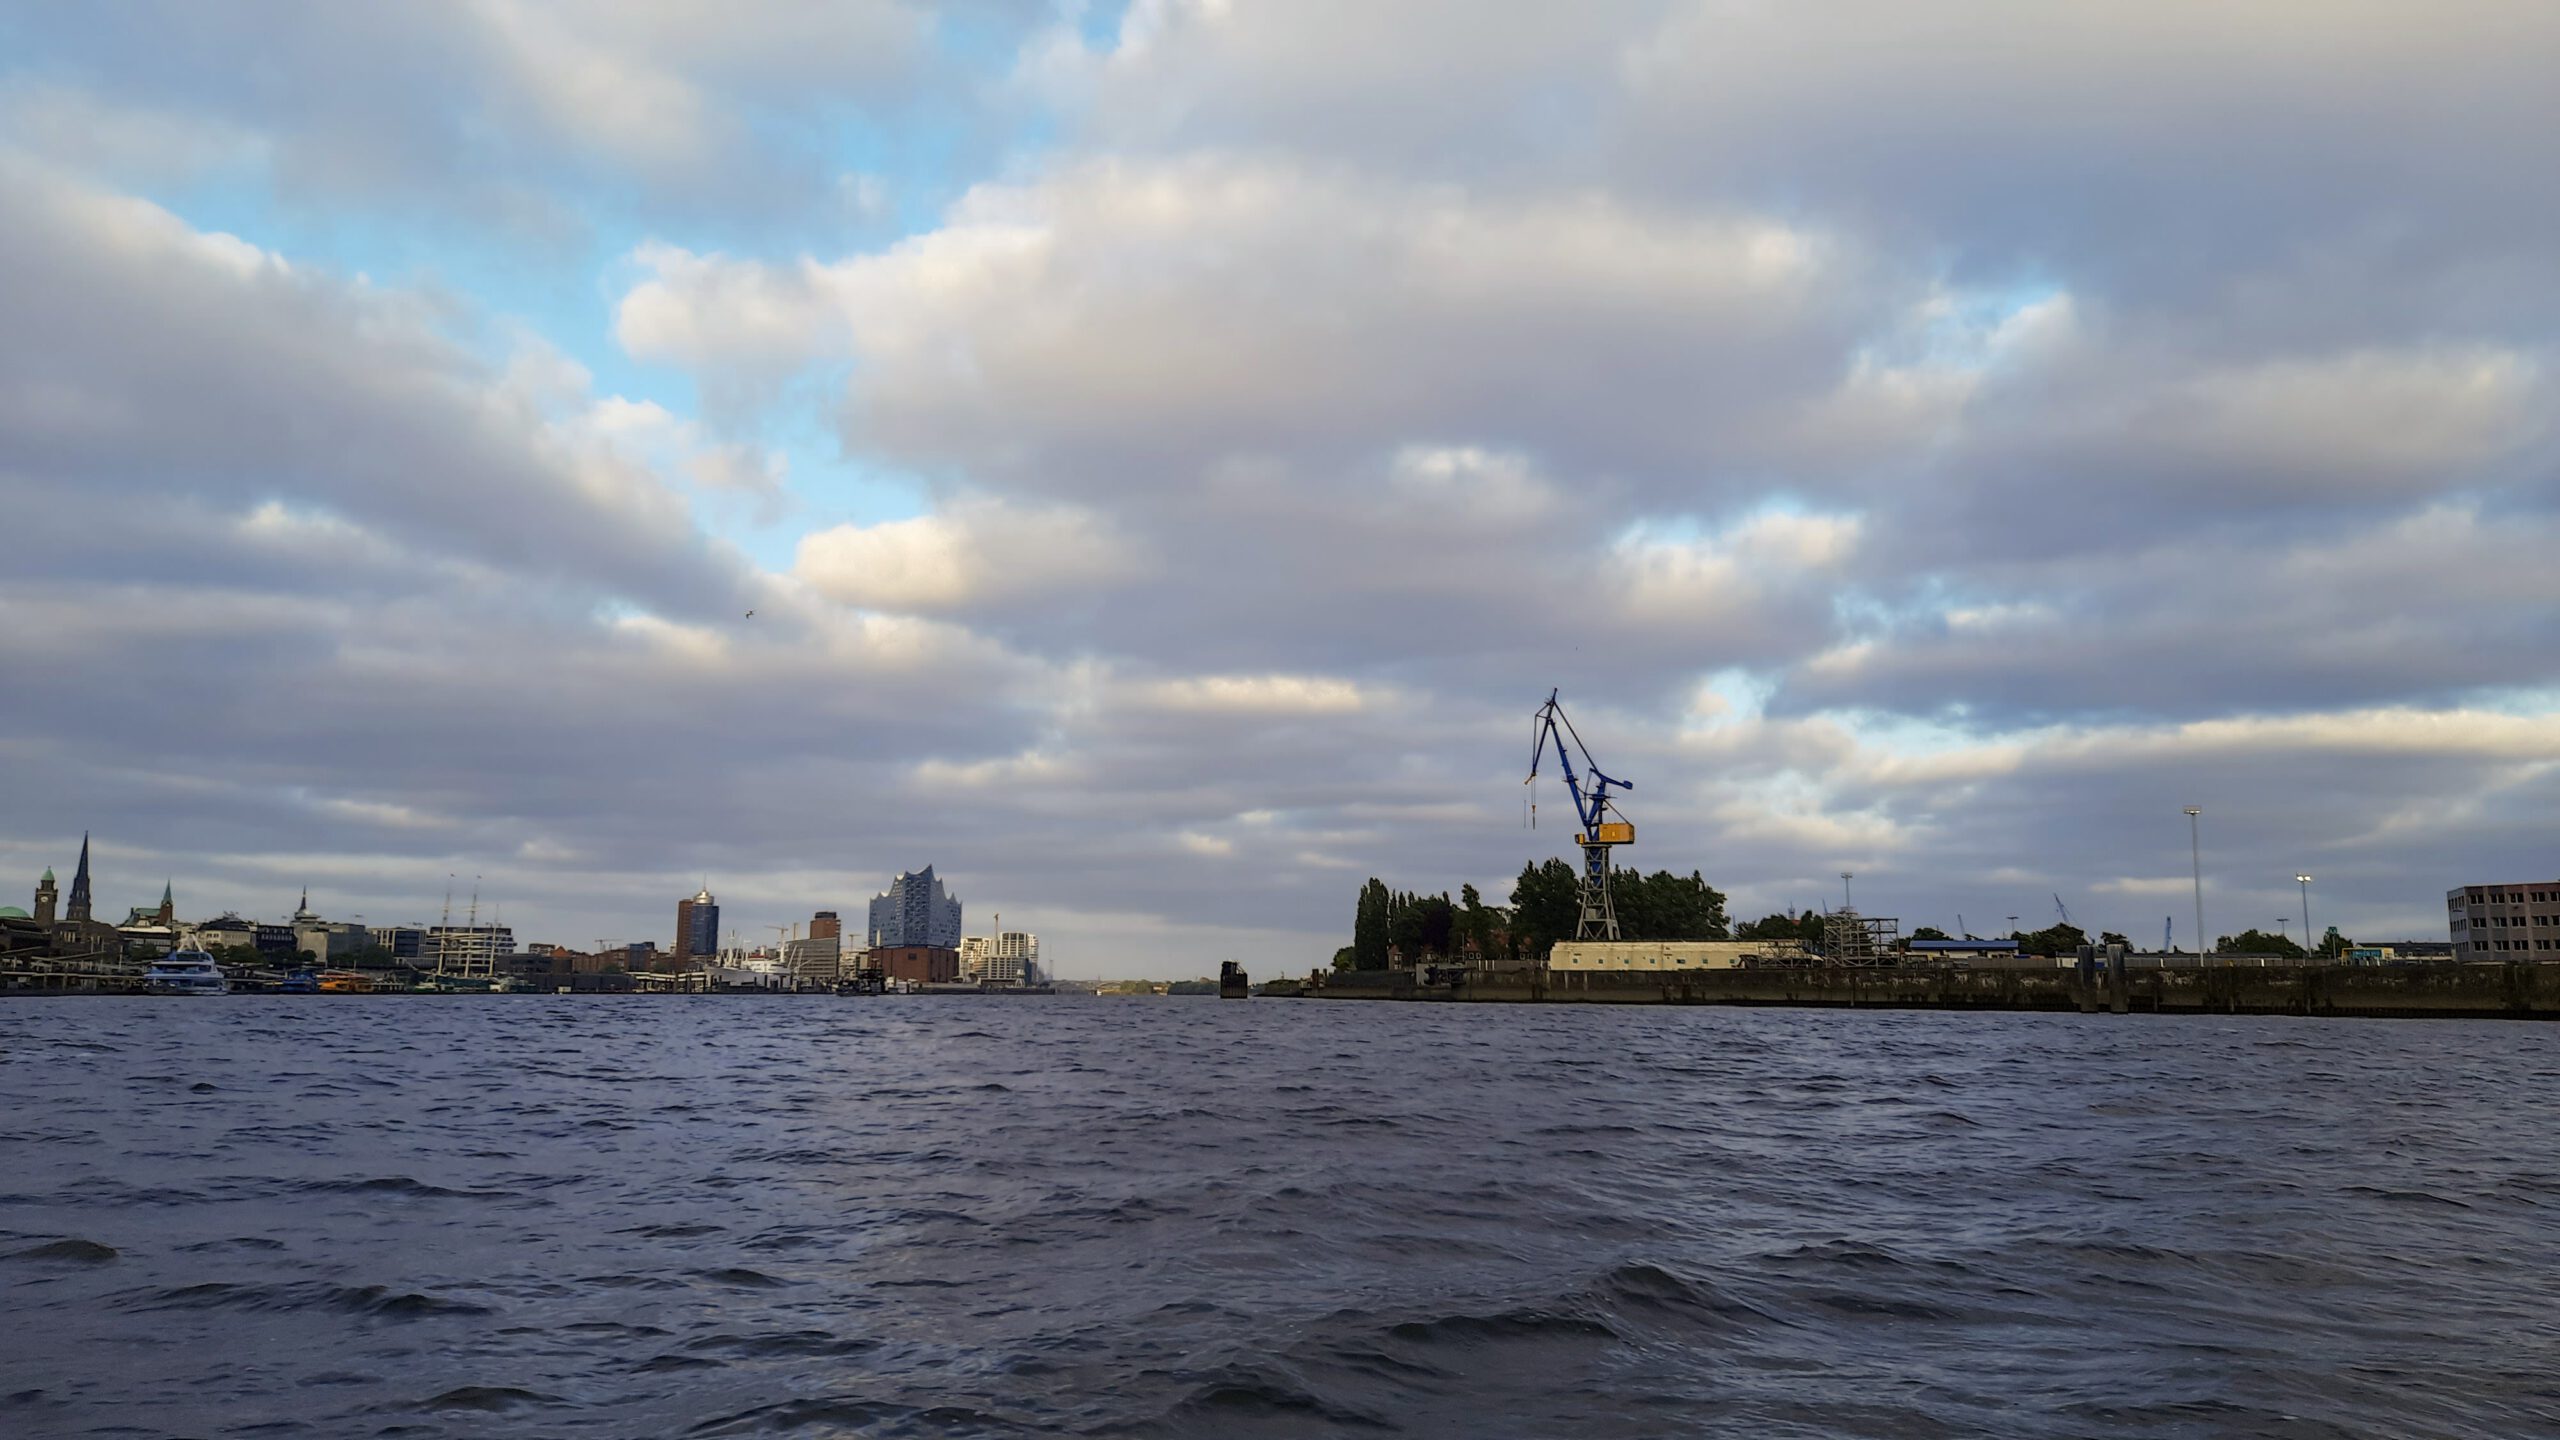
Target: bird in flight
751,614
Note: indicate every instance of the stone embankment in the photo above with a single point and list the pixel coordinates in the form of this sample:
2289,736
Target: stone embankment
2517,992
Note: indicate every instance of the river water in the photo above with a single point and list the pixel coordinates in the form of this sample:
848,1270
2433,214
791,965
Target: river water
659,1216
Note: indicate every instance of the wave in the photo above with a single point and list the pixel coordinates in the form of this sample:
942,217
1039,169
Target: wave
73,1250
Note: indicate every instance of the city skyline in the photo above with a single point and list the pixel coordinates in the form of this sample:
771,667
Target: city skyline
1154,462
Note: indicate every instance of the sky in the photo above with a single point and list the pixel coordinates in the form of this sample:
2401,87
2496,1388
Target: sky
1169,450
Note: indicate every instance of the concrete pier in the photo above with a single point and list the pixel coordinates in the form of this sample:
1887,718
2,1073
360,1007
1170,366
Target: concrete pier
2506,992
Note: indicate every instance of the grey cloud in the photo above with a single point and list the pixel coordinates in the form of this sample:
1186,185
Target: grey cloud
146,359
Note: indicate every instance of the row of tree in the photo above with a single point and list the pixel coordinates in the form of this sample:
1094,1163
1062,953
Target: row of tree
1546,906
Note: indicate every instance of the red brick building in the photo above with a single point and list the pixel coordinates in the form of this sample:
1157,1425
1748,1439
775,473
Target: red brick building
919,964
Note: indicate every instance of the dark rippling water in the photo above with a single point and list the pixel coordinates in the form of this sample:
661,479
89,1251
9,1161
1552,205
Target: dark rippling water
335,1216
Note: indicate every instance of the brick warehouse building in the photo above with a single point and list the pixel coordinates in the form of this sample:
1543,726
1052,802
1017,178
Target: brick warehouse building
917,964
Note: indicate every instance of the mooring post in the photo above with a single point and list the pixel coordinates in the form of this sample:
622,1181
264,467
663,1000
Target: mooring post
2119,983
2088,980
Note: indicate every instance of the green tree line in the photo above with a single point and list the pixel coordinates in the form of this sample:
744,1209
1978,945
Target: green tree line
1546,904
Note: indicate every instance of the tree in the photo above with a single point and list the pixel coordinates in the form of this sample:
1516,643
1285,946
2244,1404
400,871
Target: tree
2110,937
2334,944
1346,958
2053,940
2258,942
1664,906
1784,925
1475,922
1930,932
1546,904
1369,927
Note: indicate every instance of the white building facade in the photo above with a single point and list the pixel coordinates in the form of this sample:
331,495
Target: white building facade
2505,924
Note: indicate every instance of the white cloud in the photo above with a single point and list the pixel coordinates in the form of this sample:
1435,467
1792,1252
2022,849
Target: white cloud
968,555
1258,695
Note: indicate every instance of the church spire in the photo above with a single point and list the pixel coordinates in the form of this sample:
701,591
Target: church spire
78,907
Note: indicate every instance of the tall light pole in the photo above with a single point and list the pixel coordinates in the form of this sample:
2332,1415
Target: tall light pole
2195,853
2305,881
1845,903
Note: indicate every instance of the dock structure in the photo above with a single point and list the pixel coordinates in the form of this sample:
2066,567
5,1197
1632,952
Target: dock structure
2447,991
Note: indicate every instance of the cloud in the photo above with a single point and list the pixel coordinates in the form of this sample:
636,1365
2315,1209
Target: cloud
1066,332
970,555
1258,694
492,108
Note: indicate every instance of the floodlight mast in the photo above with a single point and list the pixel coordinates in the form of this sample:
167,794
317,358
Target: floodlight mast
1592,806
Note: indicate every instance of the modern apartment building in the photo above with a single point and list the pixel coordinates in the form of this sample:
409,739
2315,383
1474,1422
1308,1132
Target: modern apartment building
1012,958
2508,924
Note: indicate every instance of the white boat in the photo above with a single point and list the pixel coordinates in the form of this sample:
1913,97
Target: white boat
184,972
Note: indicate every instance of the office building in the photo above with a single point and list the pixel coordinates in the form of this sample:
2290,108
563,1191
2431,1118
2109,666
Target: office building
697,929
815,960
469,947
826,926
2505,924
916,911
405,943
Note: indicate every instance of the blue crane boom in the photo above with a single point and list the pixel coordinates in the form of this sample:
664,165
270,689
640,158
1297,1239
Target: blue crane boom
1592,806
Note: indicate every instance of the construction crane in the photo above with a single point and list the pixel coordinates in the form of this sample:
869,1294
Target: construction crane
1592,806
2060,910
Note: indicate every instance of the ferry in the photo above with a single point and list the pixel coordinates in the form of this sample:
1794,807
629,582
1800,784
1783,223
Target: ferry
185,972
300,982
345,982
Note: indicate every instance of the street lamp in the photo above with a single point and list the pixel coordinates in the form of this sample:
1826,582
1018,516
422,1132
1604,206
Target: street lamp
2305,882
2195,853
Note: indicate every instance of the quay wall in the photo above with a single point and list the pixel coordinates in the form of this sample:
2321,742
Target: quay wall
2522,992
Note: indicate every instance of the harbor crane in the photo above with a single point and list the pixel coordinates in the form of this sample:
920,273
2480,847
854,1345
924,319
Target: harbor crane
1591,806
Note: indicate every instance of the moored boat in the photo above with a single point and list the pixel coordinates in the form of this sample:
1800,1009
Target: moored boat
185,972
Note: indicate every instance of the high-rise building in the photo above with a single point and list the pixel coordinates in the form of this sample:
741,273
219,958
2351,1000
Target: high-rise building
826,926
915,910
78,908
697,928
